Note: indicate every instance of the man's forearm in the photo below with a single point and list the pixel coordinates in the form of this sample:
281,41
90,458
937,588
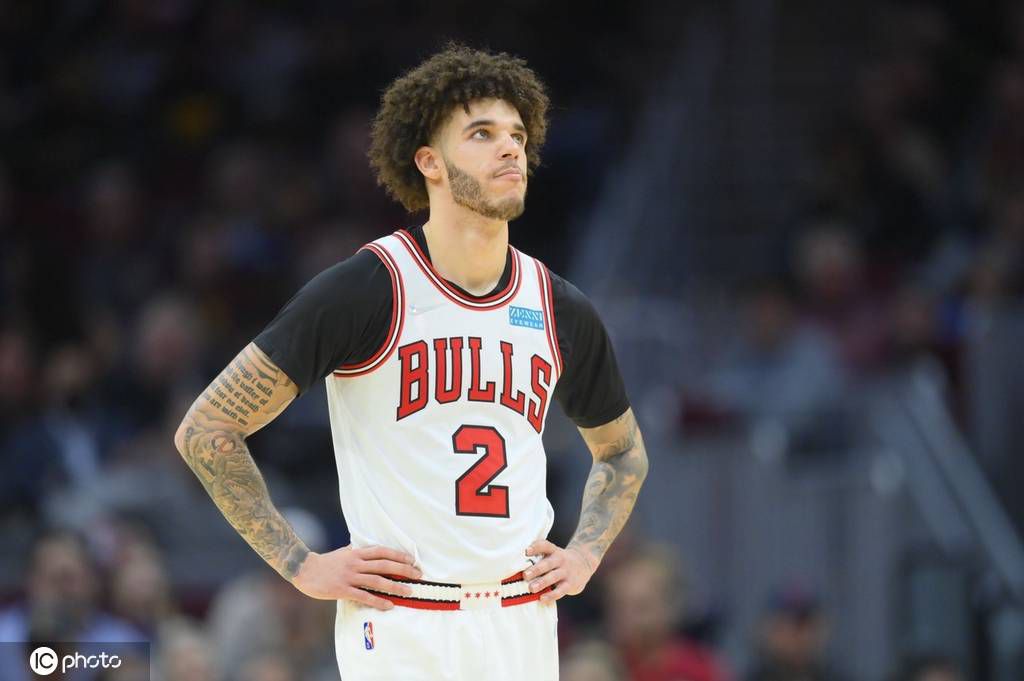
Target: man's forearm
245,396
221,461
609,496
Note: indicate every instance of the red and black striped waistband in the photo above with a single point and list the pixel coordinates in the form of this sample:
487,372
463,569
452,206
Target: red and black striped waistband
514,590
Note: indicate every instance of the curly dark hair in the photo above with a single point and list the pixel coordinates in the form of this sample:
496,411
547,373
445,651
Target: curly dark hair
415,106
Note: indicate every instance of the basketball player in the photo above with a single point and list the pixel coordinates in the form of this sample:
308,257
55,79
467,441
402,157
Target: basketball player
442,348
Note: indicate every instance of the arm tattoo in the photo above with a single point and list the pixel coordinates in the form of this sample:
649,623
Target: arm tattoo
612,487
213,445
241,391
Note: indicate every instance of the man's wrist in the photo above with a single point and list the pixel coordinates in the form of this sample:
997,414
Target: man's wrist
588,557
296,559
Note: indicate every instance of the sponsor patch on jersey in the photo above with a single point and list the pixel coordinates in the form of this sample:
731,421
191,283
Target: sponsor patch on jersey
524,316
368,635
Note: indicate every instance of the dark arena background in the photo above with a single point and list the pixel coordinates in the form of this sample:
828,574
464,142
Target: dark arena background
802,222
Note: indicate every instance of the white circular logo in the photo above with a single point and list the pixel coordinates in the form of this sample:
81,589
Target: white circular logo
43,661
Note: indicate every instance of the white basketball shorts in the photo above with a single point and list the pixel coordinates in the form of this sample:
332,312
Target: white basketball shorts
481,644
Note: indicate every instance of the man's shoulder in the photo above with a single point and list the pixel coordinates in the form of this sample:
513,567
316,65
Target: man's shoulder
569,300
563,291
363,262
362,272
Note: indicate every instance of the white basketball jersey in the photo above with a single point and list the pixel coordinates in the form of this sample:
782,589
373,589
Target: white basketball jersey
438,436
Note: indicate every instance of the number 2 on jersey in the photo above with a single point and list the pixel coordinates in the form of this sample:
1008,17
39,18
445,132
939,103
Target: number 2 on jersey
474,495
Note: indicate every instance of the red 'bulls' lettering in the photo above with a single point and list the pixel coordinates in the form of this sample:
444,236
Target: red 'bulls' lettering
513,403
478,393
538,369
413,377
415,387
442,393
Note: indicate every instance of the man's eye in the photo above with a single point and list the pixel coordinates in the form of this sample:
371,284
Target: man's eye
519,138
482,133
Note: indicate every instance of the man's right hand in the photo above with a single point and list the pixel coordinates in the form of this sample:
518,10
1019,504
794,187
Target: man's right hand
347,572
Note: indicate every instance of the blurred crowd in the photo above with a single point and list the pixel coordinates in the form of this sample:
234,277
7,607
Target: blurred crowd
906,248
173,171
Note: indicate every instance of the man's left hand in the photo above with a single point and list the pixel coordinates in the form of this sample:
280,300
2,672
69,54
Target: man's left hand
567,569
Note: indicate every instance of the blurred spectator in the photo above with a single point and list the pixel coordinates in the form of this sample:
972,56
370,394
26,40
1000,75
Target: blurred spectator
61,605
835,295
998,275
919,335
140,591
162,358
123,264
781,370
645,607
186,654
914,325
62,445
792,639
17,364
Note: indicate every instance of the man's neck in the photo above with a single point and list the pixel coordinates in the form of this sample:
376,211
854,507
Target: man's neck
466,248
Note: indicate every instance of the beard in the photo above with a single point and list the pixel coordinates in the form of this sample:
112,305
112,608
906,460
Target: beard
467,192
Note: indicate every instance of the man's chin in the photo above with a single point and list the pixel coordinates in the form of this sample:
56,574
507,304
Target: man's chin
509,210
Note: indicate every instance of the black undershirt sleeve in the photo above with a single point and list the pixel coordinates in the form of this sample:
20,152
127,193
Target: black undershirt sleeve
340,317
590,390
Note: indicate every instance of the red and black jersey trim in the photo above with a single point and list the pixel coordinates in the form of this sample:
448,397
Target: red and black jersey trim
547,301
525,598
397,319
517,577
419,603
407,580
451,292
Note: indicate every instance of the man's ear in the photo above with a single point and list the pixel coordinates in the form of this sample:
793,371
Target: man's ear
428,160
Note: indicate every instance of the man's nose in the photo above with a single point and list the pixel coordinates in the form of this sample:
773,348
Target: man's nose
509,147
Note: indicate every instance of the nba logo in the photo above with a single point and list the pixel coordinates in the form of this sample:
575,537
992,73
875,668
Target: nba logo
368,635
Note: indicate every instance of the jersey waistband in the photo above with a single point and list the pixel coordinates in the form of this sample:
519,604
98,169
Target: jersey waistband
514,590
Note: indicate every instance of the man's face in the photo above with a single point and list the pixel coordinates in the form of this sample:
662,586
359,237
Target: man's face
639,605
484,154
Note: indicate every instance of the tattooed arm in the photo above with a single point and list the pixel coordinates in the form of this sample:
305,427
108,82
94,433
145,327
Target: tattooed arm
619,469
247,395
